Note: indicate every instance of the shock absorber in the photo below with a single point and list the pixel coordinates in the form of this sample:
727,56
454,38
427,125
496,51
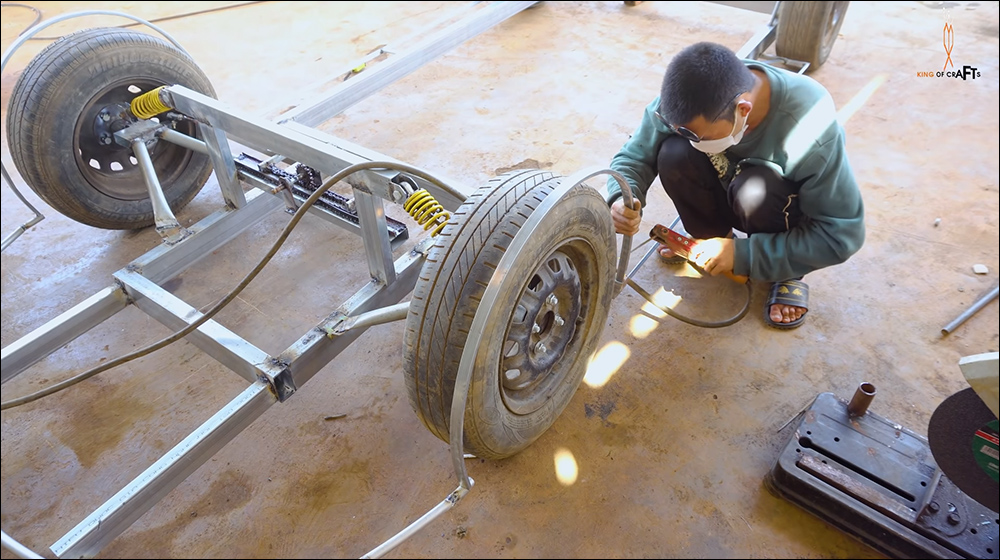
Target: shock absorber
427,211
149,104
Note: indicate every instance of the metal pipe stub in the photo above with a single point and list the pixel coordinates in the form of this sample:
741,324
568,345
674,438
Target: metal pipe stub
862,398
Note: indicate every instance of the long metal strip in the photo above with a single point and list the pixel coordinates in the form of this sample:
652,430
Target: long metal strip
217,341
53,335
401,65
118,513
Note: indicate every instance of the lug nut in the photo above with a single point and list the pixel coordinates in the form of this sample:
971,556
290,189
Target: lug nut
559,321
552,300
540,348
536,329
105,116
105,139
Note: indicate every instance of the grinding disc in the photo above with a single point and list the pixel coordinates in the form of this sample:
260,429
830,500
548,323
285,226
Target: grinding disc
962,435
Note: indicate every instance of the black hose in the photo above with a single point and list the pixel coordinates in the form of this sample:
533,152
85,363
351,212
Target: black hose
38,16
691,320
38,13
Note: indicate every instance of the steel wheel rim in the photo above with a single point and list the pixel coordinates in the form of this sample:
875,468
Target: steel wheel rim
111,168
546,327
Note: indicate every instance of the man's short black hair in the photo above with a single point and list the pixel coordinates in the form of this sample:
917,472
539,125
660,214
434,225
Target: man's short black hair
703,79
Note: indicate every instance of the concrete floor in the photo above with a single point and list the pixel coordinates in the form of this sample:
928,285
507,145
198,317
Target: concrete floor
671,450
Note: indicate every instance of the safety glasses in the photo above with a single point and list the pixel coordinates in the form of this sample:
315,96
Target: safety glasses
687,133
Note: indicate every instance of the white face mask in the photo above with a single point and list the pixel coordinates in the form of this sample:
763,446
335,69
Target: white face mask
722,144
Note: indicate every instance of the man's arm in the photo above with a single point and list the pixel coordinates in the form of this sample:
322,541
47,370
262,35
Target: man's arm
832,228
636,160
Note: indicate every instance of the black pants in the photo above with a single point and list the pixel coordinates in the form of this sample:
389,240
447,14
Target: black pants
758,200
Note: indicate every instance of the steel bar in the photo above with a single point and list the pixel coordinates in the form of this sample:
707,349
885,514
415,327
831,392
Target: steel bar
128,504
424,520
314,209
401,65
379,316
53,335
975,307
26,225
17,548
223,164
375,235
214,339
166,223
182,140
762,39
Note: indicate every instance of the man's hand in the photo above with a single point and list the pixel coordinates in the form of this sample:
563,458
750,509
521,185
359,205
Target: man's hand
626,219
714,256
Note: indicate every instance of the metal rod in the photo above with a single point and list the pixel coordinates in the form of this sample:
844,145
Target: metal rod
762,38
25,226
223,164
979,304
375,236
217,341
315,350
374,317
626,250
652,249
118,513
17,548
53,335
863,396
420,523
166,223
183,140
401,65
931,489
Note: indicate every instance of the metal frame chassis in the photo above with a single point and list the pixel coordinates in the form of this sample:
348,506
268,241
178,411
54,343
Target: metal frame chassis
272,378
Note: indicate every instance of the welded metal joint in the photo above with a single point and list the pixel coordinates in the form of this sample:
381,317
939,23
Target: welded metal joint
291,205
282,384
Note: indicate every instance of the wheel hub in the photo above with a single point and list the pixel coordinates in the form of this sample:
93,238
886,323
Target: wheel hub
109,120
542,327
110,167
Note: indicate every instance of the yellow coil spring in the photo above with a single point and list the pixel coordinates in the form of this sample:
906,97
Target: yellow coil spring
149,104
427,211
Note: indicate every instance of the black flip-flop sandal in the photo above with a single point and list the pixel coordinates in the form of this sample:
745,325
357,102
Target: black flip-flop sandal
789,292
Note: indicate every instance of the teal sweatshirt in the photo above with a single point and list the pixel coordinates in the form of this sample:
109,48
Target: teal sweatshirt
799,138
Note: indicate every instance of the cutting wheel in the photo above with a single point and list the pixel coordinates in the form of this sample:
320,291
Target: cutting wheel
962,435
